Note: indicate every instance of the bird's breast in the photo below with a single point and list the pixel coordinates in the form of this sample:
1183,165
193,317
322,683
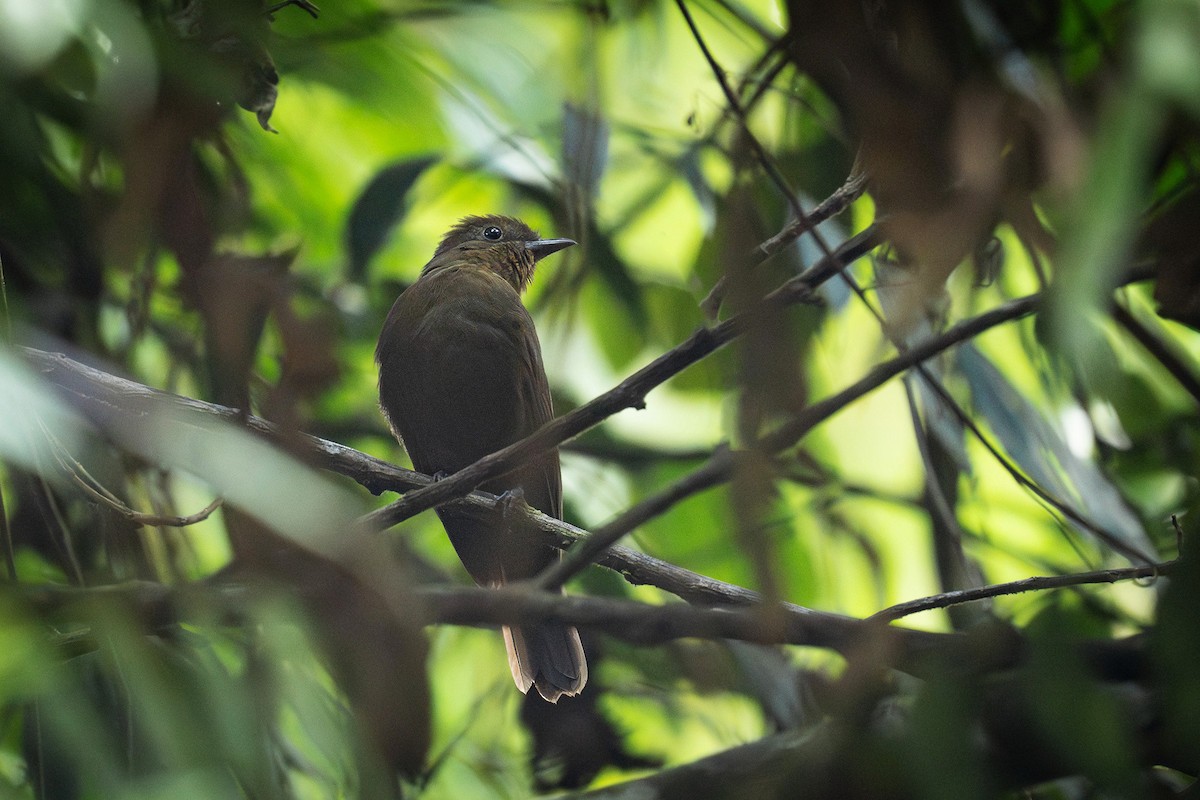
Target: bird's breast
456,358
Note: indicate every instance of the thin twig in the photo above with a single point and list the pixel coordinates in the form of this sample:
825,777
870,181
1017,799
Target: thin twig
98,492
1035,584
306,5
60,534
1062,506
760,152
714,471
763,83
944,520
836,203
735,106
792,431
828,208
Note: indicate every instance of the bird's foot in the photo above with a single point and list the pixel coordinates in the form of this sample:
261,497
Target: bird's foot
440,475
511,503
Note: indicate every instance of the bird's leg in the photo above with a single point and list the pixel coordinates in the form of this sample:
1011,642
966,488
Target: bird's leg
440,475
512,504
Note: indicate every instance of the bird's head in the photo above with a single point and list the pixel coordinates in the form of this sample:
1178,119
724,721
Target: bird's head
505,245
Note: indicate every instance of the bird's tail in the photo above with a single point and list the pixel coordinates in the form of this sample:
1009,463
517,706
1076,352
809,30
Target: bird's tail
548,656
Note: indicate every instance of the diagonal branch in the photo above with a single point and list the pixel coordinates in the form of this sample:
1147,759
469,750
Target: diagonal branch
96,490
828,208
1034,584
719,467
739,113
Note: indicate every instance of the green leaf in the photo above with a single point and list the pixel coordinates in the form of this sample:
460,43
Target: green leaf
585,148
377,210
615,274
1040,450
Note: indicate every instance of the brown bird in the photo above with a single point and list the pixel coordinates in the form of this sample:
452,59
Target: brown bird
461,376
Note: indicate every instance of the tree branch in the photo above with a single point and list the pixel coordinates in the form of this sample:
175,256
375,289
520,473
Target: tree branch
735,106
100,494
828,208
160,606
1034,584
100,396
719,467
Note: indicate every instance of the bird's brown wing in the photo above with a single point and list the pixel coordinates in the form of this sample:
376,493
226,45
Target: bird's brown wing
461,376
541,479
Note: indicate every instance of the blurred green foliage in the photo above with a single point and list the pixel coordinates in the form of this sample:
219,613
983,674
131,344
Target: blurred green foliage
222,200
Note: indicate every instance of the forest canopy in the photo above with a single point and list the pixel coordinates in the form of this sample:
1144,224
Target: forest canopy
874,385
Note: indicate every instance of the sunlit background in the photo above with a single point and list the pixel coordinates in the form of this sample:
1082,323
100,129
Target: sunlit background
170,215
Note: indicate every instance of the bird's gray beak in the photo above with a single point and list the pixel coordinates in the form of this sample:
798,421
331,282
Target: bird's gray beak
544,247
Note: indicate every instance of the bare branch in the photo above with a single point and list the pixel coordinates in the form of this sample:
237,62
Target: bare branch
828,208
1035,584
100,395
915,652
94,489
735,106
719,467
803,222
1071,512
639,623
103,397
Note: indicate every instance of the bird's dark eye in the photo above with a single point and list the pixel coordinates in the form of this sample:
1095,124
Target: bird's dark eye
493,233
